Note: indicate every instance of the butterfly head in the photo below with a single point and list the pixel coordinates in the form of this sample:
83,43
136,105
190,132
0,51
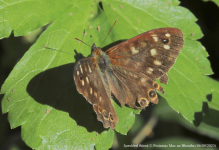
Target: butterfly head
95,50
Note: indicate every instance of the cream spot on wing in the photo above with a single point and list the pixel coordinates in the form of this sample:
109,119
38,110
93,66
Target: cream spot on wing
143,44
157,62
171,59
150,70
95,94
155,38
138,64
81,69
82,82
129,73
167,35
143,79
89,69
87,79
100,98
134,51
77,72
166,46
153,52
135,76
91,90
154,35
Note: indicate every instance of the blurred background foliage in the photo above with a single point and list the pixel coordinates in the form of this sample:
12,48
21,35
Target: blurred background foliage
155,126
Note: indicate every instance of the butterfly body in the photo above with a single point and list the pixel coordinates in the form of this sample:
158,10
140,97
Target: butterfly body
128,70
101,59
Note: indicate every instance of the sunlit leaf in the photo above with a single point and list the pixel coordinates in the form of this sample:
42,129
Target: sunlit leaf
40,95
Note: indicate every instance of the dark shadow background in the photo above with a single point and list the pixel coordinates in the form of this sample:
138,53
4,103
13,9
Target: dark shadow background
51,90
13,48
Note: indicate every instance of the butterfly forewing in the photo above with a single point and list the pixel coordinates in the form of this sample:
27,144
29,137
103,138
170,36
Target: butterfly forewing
152,53
92,86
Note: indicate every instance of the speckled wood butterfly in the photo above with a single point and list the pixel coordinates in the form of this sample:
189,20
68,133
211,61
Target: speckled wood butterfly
128,70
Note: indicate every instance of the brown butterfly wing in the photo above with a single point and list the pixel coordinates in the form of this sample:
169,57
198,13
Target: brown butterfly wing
138,62
130,76
152,53
96,90
130,87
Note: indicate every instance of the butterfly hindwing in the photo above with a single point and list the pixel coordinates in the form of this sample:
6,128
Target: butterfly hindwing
129,88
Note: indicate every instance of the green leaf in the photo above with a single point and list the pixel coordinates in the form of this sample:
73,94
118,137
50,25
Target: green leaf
213,101
22,16
187,80
211,109
40,94
204,127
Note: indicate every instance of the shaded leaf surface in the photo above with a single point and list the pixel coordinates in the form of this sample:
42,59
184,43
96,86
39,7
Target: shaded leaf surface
43,97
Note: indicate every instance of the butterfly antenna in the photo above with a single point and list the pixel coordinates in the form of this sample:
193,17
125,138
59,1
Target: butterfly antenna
56,50
81,41
109,32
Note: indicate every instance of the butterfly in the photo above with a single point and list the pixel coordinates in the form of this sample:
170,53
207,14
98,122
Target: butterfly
128,70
